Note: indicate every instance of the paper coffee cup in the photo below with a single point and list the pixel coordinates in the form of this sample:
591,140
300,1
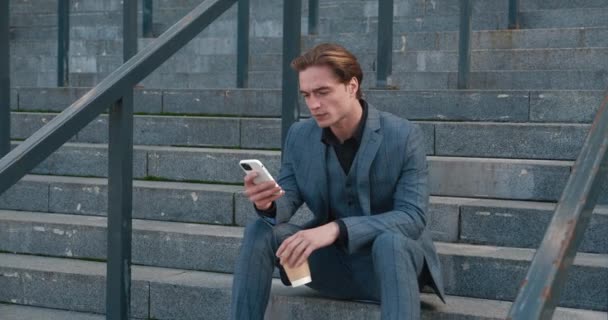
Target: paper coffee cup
298,276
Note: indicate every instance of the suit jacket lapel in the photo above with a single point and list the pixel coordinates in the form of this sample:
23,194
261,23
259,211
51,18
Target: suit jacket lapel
370,143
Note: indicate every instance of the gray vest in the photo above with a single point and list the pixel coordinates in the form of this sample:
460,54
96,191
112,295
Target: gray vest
343,199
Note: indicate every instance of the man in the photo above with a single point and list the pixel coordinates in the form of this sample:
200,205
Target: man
363,174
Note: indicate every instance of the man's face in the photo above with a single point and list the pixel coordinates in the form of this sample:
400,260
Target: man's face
328,100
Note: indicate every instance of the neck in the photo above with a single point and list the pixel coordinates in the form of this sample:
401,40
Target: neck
345,129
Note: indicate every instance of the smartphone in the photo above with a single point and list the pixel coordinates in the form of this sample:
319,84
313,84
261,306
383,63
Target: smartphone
256,166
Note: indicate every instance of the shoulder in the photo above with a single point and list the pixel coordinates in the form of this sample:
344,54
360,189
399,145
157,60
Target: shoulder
393,124
301,131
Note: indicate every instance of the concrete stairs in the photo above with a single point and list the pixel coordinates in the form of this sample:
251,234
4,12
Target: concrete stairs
500,156
561,45
190,211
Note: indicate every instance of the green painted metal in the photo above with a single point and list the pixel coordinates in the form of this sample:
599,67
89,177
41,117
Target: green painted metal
242,50
120,184
464,44
5,83
385,43
292,11
513,14
540,291
147,25
313,17
63,43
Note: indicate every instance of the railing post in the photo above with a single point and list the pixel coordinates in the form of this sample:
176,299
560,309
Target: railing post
513,14
147,22
292,12
120,184
5,85
385,43
242,48
313,17
464,44
540,291
63,42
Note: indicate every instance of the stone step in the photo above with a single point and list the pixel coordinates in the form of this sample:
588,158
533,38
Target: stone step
20,312
565,18
485,60
541,180
486,80
463,139
438,105
505,80
450,219
357,43
484,272
448,40
522,224
161,293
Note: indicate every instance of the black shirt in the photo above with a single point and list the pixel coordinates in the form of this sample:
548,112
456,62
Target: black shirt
346,151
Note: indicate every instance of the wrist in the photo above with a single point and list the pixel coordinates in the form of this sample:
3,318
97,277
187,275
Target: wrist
335,230
263,207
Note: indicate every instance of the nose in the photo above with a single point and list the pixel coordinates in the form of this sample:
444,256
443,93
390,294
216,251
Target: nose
313,103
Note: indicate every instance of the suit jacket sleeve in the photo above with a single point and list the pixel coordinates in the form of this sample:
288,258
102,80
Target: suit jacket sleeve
289,203
410,201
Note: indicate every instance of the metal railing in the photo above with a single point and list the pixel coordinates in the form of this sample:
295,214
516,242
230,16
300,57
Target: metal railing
63,42
464,38
114,92
5,84
540,291
63,39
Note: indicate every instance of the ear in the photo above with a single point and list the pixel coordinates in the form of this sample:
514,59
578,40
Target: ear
353,86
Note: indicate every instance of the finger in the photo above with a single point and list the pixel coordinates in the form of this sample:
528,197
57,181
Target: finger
254,189
283,245
297,252
304,256
290,256
285,248
249,178
266,194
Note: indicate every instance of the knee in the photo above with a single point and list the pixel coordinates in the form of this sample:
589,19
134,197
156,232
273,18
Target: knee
261,235
258,234
390,243
283,231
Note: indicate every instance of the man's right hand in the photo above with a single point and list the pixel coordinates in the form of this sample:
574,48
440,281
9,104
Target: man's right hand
263,194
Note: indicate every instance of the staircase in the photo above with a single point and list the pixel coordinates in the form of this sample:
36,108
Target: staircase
499,155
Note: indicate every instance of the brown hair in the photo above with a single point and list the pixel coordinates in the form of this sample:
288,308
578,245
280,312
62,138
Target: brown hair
343,63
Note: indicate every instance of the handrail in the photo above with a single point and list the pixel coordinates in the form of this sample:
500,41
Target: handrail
242,44
313,17
384,53
464,44
147,25
290,112
540,291
5,85
63,42
464,38
513,14
116,88
60,129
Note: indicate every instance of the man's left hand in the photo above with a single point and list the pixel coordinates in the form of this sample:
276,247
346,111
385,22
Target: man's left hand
297,248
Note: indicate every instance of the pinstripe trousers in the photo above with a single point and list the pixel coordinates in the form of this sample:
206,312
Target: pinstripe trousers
386,272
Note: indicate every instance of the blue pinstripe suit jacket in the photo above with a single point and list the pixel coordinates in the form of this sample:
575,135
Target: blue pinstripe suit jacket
392,184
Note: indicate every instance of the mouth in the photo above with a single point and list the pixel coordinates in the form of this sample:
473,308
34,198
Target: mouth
320,116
